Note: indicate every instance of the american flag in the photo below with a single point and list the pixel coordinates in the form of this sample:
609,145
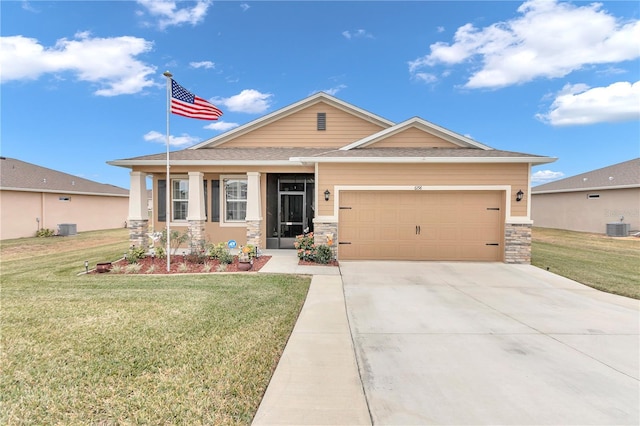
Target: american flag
187,104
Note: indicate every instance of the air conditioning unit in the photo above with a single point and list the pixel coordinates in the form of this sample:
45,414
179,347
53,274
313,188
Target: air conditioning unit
618,229
66,229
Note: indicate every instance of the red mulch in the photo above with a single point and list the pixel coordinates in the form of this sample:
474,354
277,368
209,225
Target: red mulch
192,268
307,263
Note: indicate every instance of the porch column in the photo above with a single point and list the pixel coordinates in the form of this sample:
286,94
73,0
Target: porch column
254,213
138,219
195,215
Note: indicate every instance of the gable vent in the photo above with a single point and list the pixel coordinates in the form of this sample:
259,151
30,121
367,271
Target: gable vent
322,121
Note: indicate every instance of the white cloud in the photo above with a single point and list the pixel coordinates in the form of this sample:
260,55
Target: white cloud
244,7
544,176
248,101
179,141
549,39
356,34
440,29
221,126
109,62
202,64
334,90
425,77
168,14
578,104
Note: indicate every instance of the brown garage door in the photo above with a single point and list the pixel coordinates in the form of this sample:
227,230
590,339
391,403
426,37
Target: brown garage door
421,225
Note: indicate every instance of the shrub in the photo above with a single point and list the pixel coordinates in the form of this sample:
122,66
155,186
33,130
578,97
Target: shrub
160,252
45,232
183,267
216,251
323,254
135,254
225,258
305,246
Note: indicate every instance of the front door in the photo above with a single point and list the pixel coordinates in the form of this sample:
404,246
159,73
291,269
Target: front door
292,218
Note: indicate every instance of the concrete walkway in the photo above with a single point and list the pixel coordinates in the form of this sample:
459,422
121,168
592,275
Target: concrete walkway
316,381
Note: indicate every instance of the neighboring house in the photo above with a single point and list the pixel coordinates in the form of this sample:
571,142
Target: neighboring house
371,188
34,197
589,201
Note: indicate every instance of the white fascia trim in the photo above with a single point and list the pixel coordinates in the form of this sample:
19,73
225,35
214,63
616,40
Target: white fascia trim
63,192
131,163
531,160
288,110
423,188
418,122
595,188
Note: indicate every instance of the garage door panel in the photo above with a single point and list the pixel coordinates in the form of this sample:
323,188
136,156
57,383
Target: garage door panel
427,225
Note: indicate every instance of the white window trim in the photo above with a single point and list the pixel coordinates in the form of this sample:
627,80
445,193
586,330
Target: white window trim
177,222
223,203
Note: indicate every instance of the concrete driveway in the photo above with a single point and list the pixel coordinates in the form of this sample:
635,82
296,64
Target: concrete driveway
489,343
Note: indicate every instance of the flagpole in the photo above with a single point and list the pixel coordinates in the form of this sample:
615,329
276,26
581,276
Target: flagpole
168,183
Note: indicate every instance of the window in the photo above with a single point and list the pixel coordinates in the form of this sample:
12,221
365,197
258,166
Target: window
180,198
235,199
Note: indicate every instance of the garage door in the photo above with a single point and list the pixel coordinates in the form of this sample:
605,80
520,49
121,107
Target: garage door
420,225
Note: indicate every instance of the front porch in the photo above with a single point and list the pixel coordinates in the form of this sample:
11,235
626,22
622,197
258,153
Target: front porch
266,210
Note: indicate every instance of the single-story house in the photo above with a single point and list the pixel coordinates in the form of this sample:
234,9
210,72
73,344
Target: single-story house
589,201
34,198
368,187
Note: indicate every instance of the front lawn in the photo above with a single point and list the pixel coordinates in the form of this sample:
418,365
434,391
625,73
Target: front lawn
606,263
134,349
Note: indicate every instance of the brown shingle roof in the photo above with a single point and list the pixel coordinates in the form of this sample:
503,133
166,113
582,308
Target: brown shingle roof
621,175
19,175
258,155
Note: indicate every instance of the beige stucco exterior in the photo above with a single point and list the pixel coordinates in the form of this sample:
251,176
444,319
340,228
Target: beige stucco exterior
24,212
577,211
356,153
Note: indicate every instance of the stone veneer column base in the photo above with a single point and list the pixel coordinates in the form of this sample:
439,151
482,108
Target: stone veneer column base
254,236
321,233
197,234
138,230
517,243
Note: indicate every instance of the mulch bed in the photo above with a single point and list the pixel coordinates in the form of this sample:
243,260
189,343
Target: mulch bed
177,262
307,263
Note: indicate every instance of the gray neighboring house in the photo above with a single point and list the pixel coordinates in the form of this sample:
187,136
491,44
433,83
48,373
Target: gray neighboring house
589,201
34,197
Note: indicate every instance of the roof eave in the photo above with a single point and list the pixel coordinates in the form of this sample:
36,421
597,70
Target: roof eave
529,160
63,191
595,188
134,163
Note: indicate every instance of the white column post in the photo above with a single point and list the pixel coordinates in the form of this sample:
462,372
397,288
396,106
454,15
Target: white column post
254,210
253,196
138,219
196,196
138,197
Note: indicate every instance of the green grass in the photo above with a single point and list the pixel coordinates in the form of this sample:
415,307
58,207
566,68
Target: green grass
605,263
127,349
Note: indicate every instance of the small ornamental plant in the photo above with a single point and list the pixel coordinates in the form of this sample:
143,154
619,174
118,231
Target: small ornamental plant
305,247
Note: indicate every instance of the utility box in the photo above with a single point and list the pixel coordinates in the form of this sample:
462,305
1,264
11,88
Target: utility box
618,229
66,229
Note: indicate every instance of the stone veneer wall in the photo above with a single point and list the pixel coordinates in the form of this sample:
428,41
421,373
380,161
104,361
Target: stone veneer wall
197,233
254,237
517,243
320,234
138,230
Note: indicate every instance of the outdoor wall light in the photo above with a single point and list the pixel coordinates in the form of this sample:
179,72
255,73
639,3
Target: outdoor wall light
326,195
519,195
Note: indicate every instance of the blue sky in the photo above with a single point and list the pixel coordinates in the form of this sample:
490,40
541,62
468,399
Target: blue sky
82,84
